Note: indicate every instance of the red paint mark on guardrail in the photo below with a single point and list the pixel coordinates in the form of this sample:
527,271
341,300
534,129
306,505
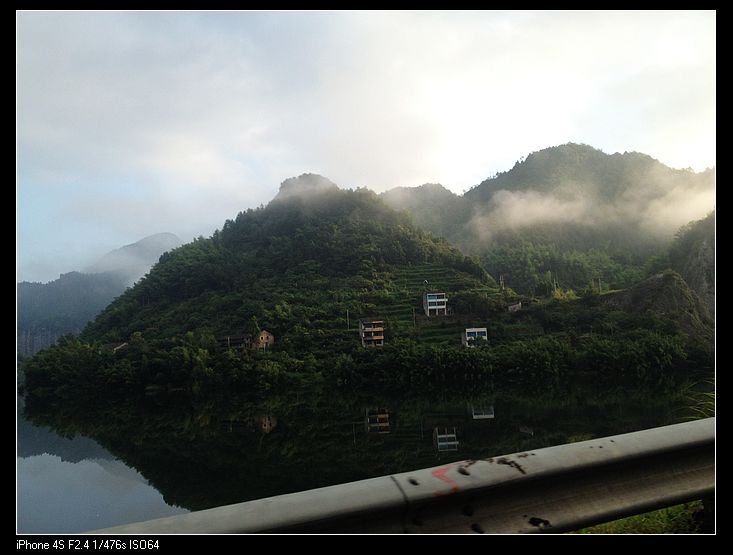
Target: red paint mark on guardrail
440,474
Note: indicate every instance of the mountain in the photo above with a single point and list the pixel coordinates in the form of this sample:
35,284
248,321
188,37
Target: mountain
304,186
132,261
432,206
692,254
309,265
46,311
275,263
570,213
572,170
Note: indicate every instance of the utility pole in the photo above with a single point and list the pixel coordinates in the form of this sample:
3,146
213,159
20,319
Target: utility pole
348,324
414,321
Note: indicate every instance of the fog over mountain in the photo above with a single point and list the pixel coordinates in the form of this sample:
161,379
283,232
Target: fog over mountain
134,260
571,184
46,311
575,183
570,213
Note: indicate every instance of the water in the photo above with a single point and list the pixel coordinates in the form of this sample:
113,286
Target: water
165,454
76,485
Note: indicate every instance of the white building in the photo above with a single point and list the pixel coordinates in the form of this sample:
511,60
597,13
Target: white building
445,439
473,334
435,304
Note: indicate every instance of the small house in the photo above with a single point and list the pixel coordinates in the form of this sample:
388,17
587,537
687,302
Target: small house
377,421
435,304
371,332
268,423
515,307
473,334
482,413
263,340
445,439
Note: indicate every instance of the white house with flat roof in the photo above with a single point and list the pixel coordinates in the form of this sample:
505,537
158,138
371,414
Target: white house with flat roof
435,304
473,334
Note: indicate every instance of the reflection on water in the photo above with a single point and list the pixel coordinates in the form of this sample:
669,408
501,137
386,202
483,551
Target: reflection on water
55,496
76,485
201,452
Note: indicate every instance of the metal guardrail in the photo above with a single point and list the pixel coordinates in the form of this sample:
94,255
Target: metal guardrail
556,489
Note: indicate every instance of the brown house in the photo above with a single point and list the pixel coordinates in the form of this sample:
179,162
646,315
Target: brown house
268,423
263,340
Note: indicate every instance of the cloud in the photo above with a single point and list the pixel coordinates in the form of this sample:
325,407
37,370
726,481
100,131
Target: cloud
667,214
517,209
199,115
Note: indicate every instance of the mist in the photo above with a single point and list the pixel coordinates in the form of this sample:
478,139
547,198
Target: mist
657,206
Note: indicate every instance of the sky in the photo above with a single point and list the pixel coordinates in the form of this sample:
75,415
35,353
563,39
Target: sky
134,123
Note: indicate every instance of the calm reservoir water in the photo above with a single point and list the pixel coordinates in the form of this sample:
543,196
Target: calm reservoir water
76,485
127,460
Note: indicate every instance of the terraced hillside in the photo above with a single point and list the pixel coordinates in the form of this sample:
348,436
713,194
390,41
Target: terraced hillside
395,296
405,315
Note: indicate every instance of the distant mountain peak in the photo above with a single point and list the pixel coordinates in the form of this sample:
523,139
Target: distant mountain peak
158,239
135,259
424,188
304,186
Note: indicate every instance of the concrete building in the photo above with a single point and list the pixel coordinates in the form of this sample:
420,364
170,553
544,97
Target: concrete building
371,332
473,334
445,439
482,413
377,421
435,304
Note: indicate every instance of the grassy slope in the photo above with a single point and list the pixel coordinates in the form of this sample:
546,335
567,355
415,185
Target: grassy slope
680,519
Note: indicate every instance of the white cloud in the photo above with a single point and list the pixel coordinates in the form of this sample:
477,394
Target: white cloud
217,109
